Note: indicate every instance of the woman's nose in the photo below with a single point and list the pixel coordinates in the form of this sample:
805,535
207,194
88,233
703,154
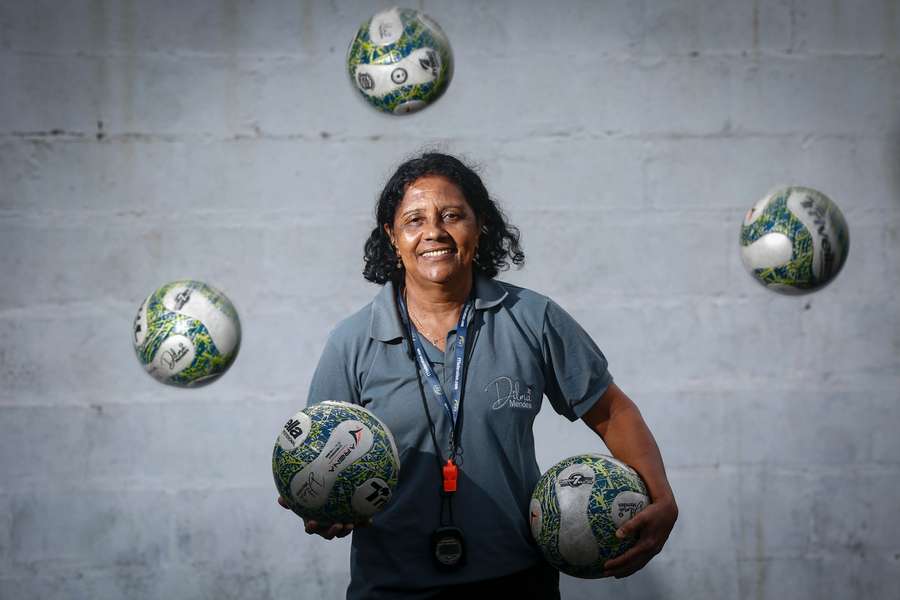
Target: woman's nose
434,229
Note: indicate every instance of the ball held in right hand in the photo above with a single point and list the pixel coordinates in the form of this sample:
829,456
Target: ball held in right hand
335,462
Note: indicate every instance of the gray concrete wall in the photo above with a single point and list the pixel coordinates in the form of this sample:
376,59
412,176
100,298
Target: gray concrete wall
220,140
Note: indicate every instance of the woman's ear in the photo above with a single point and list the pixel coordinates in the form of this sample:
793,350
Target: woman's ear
390,234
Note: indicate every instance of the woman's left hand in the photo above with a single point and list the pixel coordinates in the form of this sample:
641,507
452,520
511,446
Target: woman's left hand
651,526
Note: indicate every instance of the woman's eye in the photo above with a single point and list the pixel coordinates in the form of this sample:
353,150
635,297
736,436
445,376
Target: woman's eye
451,216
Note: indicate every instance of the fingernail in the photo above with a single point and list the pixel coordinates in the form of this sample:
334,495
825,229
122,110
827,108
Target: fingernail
620,534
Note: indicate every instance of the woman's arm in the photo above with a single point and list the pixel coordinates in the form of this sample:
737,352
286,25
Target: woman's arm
617,420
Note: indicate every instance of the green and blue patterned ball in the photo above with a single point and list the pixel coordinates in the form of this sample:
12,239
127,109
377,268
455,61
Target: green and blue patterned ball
187,333
335,462
576,508
400,61
795,240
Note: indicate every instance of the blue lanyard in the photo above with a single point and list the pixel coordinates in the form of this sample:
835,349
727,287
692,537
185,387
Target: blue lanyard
451,406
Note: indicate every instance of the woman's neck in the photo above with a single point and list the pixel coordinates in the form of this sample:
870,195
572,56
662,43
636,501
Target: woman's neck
438,300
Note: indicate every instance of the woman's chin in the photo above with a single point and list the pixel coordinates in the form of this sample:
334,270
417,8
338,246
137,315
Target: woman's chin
442,274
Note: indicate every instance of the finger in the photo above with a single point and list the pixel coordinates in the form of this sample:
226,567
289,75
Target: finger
633,526
332,531
348,529
283,503
311,526
633,560
631,555
629,569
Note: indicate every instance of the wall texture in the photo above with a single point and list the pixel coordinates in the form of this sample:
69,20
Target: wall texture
142,142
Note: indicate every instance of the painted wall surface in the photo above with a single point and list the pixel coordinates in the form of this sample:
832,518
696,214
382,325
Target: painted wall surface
145,141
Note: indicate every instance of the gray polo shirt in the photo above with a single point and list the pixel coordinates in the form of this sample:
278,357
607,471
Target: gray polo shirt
525,347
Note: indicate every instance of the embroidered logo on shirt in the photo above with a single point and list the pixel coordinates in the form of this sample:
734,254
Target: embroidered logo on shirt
509,393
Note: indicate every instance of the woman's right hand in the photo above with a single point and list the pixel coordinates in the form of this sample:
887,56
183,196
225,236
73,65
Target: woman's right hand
326,530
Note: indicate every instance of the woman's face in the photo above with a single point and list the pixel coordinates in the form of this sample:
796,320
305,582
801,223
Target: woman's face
435,231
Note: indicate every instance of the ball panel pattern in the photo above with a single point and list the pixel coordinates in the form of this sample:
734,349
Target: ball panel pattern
776,218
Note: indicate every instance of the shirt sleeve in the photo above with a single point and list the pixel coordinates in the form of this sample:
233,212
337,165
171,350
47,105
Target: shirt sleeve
335,375
576,371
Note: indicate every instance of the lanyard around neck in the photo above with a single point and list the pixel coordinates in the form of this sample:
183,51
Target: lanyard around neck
450,405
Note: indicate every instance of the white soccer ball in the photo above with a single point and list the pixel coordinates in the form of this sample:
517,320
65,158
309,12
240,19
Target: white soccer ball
186,333
794,240
400,61
576,508
335,462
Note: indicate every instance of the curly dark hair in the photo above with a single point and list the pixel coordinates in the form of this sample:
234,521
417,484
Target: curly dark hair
499,241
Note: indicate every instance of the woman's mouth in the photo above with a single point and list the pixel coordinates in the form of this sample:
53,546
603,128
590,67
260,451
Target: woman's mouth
437,253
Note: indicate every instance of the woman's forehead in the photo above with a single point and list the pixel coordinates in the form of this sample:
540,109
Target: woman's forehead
430,189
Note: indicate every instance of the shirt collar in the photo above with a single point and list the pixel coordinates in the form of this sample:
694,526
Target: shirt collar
385,324
488,293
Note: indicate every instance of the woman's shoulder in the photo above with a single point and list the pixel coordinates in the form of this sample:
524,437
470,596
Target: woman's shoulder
532,307
523,300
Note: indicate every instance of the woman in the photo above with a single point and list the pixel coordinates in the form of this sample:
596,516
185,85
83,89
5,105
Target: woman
456,364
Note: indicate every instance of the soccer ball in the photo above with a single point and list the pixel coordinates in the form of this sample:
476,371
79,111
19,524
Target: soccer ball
335,462
187,333
576,508
795,240
400,61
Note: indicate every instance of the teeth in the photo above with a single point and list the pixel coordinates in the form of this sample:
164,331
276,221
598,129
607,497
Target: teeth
436,252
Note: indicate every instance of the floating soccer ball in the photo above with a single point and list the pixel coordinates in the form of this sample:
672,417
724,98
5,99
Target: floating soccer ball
335,462
187,333
400,61
576,508
795,240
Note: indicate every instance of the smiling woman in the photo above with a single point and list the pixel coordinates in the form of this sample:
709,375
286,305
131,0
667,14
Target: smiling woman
452,360
435,233
498,244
